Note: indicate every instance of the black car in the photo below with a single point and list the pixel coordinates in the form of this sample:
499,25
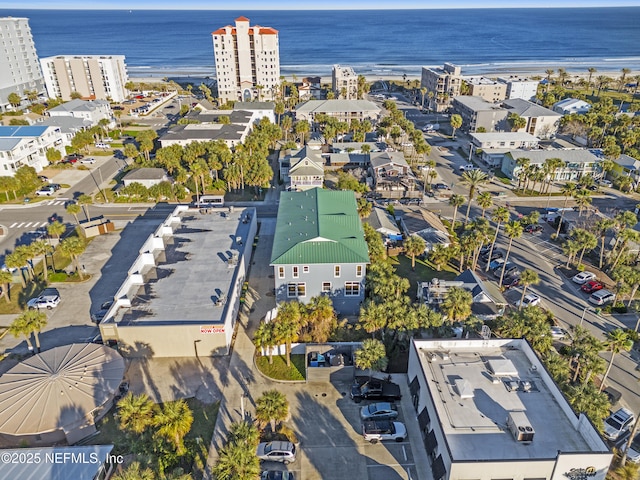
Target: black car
74,156
511,281
495,255
533,229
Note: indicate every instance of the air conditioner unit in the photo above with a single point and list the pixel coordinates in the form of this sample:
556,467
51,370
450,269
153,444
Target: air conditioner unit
512,385
520,427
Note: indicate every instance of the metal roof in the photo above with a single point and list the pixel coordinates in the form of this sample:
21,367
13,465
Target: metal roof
318,226
58,388
56,463
145,174
337,106
525,108
22,131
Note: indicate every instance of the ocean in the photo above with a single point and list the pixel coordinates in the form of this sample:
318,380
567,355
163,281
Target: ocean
159,43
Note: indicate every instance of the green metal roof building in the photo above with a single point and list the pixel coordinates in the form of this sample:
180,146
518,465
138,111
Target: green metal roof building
319,248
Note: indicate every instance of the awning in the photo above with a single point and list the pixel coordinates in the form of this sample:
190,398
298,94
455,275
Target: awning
414,386
430,442
423,419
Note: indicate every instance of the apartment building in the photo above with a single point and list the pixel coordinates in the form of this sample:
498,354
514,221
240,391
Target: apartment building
247,60
94,77
488,409
344,82
479,114
19,67
520,87
486,88
442,85
28,145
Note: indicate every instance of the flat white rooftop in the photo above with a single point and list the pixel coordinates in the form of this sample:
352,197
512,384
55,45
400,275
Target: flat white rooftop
476,385
194,273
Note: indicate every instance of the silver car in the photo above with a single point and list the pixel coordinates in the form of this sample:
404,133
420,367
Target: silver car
379,411
284,452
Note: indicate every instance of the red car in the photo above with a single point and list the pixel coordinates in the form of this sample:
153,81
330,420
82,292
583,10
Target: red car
592,286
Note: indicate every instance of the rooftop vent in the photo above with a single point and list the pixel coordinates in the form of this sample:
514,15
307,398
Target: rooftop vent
520,427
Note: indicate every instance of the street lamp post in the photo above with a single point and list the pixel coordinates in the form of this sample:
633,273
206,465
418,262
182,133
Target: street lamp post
583,314
106,200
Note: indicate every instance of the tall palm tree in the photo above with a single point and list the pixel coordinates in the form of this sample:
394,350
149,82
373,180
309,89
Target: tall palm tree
136,413
512,229
85,200
74,209
456,123
587,241
73,247
371,356
21,327
602,227
56,229
173,422
549,72
522,163
527,277
455,201
287,326
473,179
246,432
583,199
500,215
568,190
42,248
237,461
550,166
625,72
35,320
456,305
485,201
591,71
414,246
272,407
16,260
618,341
264,338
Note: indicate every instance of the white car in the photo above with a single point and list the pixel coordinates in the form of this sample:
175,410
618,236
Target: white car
102,145
558,333
88,160
618,423
467,167
46,191
605,183
633,454
375,431
602,297
584,277
529,300
47,302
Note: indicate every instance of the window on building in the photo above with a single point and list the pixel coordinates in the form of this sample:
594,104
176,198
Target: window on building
326,287
296,272
358,270
302,289
336,271
351,289
305,269
295,290
280,272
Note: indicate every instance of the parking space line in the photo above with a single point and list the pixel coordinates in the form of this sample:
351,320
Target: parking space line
393,465
404,452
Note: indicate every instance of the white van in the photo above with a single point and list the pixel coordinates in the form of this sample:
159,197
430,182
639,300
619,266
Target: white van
210,201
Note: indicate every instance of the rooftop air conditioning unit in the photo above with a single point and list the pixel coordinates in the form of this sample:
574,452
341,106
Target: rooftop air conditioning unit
519,425
513,385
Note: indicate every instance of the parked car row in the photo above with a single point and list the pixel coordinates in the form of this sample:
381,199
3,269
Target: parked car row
48,190
589,284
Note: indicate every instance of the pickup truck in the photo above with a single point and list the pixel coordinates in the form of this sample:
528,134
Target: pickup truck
377,430
375,390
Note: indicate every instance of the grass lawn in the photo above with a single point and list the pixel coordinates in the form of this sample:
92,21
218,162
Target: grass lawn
197,440
424,272
279,370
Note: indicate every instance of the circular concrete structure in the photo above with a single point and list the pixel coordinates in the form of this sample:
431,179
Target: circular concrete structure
56,395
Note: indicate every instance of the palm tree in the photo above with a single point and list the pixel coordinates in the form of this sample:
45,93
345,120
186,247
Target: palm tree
364,208
16,260
136,413
513,230
585,240
85,200
456,305
56,229
173,422
413,246
319,319
439,256
591,71
625,72
550,166
583,199
485,201
499,216
74,209
42,248
549,72
371,356
618,341
602,227
456,123
237,461
287,325
244,431
473,179
523,164
264,338
28,322
6,277
73,247
568,190
455,201
527,277
272,407
136,472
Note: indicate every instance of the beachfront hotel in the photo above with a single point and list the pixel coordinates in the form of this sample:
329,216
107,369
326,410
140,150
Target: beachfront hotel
344,82
19,67
95,77
247,61
442,85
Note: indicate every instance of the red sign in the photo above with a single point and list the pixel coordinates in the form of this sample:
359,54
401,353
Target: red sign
209,329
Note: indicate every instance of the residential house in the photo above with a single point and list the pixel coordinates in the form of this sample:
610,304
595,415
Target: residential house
577,162
258,110
491,147
384,223
145,176
571,105
442,85
391,175
486,88
541,122
519,87
426,225
626,165
477,113
342,110
90,110
319,249
302,169
69,126
28,145
310,88
488,301
355,147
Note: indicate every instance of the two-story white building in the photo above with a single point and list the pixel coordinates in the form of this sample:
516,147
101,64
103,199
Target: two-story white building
90,110
27,145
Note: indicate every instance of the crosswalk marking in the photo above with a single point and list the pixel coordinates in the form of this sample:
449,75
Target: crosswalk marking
55,202
28,225
13,224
